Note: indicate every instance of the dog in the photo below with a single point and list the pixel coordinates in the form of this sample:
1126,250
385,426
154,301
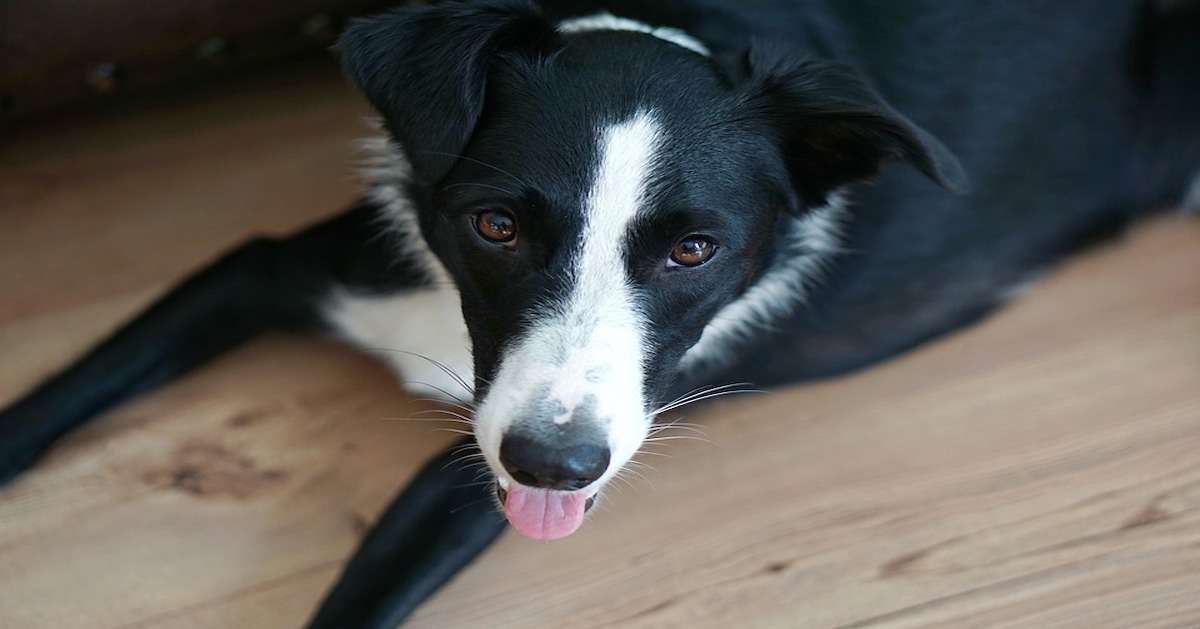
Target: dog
610,206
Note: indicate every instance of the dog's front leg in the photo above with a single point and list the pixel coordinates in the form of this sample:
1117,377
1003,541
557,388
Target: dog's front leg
210,313
262,285
438,524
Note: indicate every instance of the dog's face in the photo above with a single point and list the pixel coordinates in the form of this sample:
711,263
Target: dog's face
592,235
598,196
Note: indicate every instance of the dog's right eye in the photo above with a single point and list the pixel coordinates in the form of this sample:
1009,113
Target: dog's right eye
692,251
496,225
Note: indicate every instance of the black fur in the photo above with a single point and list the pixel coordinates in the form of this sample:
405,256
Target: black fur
425,70
834,129
1072,119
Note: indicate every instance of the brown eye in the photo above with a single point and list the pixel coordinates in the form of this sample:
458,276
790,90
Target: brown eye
496,226
692,251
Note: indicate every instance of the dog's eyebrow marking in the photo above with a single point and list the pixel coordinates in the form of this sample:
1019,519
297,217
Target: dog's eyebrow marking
605,21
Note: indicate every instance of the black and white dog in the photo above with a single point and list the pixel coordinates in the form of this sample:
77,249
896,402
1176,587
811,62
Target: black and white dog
589,209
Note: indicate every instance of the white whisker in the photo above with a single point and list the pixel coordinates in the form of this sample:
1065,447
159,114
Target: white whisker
709,396
456,431
453,375
435,388
426,419
679,438
450,415
464,407
698,394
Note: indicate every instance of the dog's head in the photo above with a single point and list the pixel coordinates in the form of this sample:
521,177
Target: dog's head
599,190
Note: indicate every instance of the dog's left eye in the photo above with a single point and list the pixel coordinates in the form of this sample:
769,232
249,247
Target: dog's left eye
496,225
692,251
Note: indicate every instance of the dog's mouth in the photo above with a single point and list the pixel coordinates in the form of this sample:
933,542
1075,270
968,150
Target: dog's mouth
544,514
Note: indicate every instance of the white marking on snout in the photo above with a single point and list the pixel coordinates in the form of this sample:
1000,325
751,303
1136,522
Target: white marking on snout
605,21
588,349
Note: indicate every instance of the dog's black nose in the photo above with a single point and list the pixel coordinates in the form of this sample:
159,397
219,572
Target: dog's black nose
538,464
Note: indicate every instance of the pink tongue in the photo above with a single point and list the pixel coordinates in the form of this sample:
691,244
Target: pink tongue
543,513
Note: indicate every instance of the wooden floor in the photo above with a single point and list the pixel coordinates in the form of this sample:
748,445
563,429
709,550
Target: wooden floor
1039,470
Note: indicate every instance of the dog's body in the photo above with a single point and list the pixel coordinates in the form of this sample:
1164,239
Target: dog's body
585,216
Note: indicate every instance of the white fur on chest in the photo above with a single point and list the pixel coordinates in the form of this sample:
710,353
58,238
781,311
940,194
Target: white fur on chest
409,332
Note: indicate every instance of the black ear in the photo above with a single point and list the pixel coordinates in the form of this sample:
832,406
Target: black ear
833,128
425,69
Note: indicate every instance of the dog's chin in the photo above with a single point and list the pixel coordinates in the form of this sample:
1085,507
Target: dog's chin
544,514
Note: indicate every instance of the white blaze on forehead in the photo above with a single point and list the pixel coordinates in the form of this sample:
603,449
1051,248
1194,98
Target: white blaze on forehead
617,195
587,351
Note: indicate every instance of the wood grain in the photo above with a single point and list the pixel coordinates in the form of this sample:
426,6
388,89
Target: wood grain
1037,470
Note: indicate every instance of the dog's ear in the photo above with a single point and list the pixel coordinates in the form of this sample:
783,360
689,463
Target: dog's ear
833,128
425,69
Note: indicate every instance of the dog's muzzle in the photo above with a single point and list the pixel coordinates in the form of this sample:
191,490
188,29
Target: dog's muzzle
551,478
